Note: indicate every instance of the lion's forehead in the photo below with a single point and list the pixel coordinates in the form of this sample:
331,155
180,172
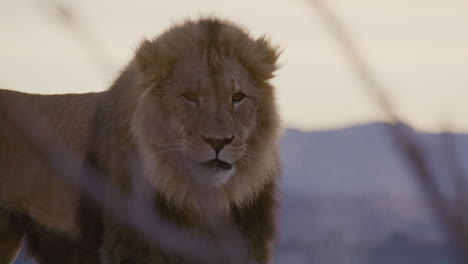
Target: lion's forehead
195,74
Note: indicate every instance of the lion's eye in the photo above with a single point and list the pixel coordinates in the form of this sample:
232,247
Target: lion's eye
192,97
237,97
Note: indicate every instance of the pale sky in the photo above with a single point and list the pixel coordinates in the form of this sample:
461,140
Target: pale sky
417,48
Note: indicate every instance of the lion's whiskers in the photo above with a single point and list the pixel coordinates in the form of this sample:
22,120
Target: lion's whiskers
166,145
168,149
255,157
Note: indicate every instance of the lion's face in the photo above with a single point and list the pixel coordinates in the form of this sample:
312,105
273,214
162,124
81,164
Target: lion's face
212,116
206,112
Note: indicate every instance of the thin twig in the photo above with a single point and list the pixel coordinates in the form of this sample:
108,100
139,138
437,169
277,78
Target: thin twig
454,222
55,11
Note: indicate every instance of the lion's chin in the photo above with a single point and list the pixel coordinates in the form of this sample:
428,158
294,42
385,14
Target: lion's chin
218,164
214,173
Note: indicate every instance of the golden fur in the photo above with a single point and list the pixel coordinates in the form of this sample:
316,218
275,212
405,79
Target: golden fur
174,95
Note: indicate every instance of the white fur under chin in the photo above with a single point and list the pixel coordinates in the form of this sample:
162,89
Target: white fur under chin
212,177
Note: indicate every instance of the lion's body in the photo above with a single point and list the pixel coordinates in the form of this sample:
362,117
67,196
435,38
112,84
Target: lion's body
27,184
37,202
140,115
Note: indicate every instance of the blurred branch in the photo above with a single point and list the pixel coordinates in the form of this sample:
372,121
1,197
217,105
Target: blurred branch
453,218
356,59
134,211
54,10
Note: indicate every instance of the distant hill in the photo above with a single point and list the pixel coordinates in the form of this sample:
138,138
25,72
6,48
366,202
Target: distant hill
352,190
356,160
348,196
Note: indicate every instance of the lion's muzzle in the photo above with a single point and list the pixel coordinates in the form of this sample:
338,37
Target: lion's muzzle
217,144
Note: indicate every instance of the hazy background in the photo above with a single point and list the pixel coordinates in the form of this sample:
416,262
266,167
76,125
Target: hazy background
348,195
418,48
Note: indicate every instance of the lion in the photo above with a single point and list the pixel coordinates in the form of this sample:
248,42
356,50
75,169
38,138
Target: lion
196,107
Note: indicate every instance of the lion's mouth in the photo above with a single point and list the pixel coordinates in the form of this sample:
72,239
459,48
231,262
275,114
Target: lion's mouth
216,163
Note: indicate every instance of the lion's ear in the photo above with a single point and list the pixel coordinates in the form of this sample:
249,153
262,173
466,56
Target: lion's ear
152,62
262,59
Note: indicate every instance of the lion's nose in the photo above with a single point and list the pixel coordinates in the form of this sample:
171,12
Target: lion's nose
217,143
